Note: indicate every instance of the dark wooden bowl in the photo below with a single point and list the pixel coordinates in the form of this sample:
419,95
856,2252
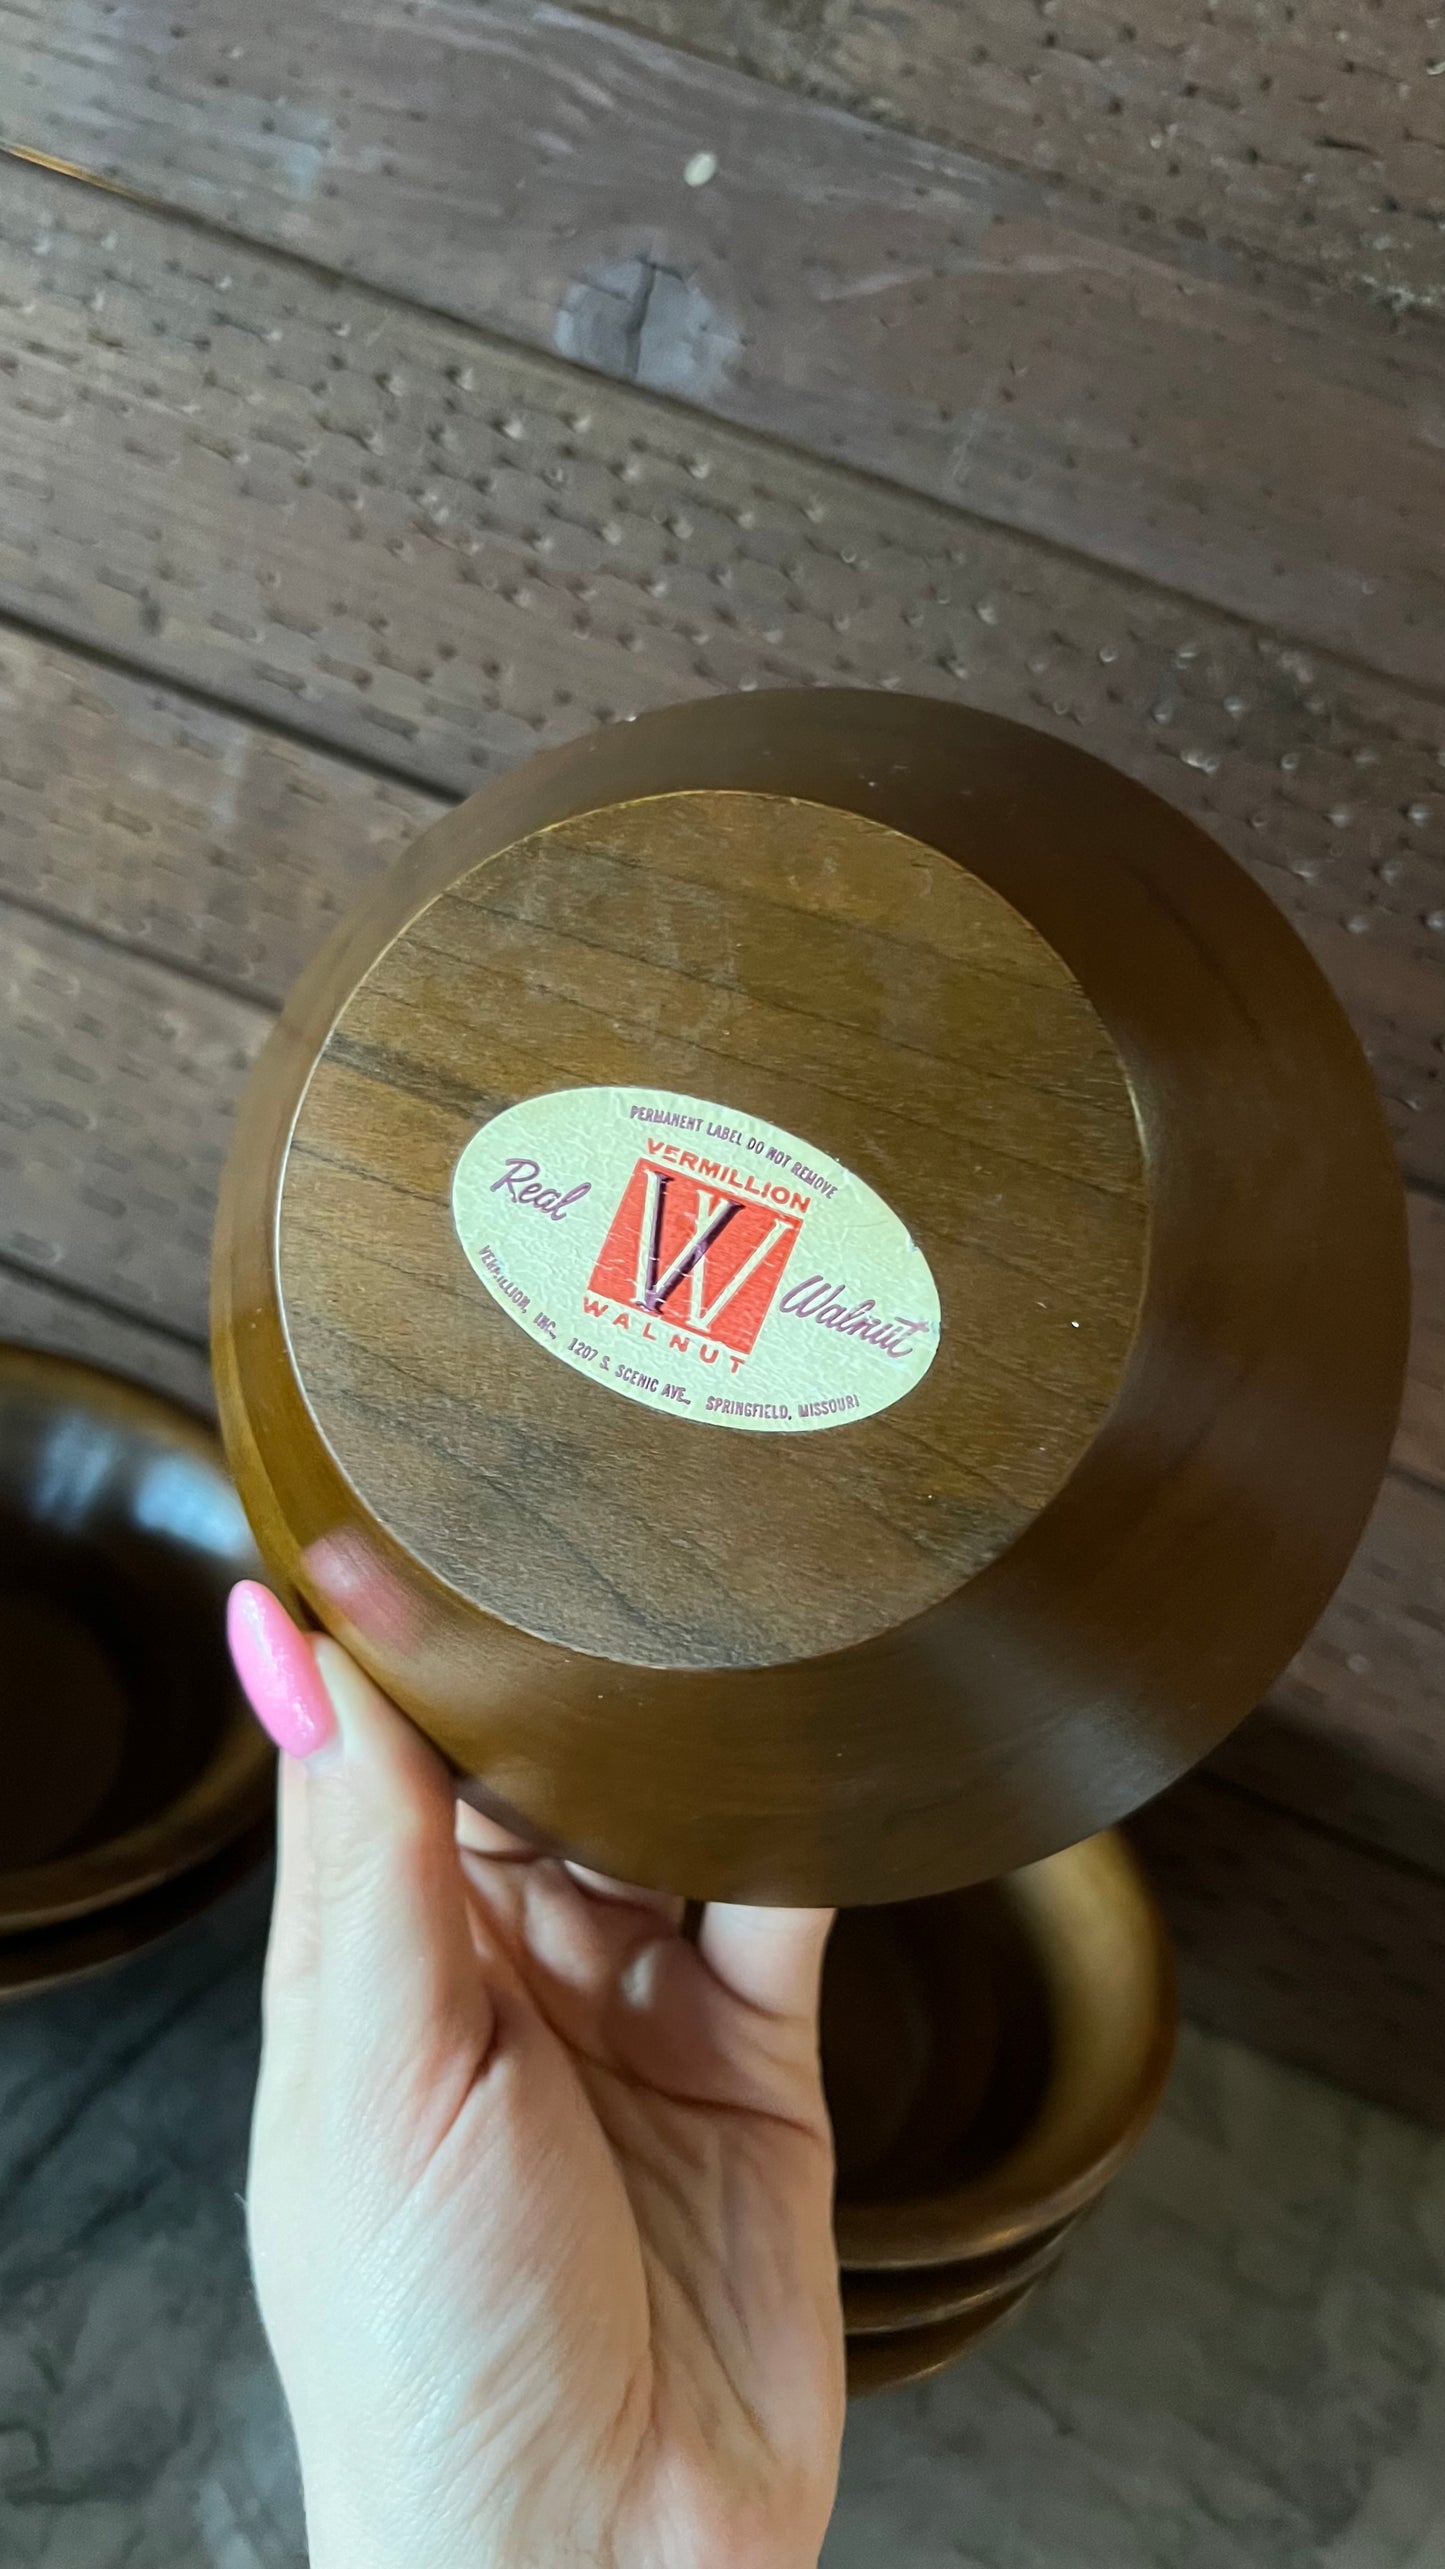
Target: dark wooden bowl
130,1754
919,2296
888,2362
1080,1976
1034,1439
38,1959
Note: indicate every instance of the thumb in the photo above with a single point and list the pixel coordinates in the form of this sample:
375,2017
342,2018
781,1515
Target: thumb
398,1976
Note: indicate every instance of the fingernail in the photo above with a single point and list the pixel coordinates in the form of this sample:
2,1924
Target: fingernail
275,1666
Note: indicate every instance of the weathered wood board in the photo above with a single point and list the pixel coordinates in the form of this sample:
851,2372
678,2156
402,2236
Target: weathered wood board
435,554
1312,135
980,335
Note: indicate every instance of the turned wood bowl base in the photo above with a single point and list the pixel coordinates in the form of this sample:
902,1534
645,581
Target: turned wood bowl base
815,1284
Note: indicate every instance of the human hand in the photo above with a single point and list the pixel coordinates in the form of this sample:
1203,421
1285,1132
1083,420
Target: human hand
540,2192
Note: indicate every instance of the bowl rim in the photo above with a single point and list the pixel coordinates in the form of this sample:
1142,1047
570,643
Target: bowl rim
234,1790
1108,1964
947,2292
46,1958
891,2360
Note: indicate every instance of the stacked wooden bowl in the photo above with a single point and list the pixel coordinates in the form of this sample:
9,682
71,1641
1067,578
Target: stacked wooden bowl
138,1788
991,2057
815,1284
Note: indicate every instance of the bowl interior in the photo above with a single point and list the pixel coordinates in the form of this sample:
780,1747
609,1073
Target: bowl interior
1017,2038
936,2040
129,1753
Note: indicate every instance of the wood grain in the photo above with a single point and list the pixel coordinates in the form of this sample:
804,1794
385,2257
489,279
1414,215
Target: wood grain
34,1313
1306,134
732,947
117,1081
175,829
436,554
979,336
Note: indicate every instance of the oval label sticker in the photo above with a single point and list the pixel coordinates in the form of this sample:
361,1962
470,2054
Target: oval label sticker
696,1259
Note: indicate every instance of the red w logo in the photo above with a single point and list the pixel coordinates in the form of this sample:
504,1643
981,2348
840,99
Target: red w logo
694,1255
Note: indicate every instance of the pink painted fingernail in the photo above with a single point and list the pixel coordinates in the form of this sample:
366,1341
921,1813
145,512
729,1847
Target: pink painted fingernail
274,1663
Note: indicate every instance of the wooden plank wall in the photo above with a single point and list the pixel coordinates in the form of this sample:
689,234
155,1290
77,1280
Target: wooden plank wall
1307,135
979,334
424,397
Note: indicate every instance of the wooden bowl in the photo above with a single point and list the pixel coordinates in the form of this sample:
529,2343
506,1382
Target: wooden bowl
38,1959
888,2363
131,1756
816,1285
913,2044
1083,1995
880,2305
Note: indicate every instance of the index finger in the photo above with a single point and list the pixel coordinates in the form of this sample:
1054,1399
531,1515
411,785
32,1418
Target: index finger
771,1960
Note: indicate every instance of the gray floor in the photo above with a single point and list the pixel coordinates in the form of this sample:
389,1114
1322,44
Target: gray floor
1242,2365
